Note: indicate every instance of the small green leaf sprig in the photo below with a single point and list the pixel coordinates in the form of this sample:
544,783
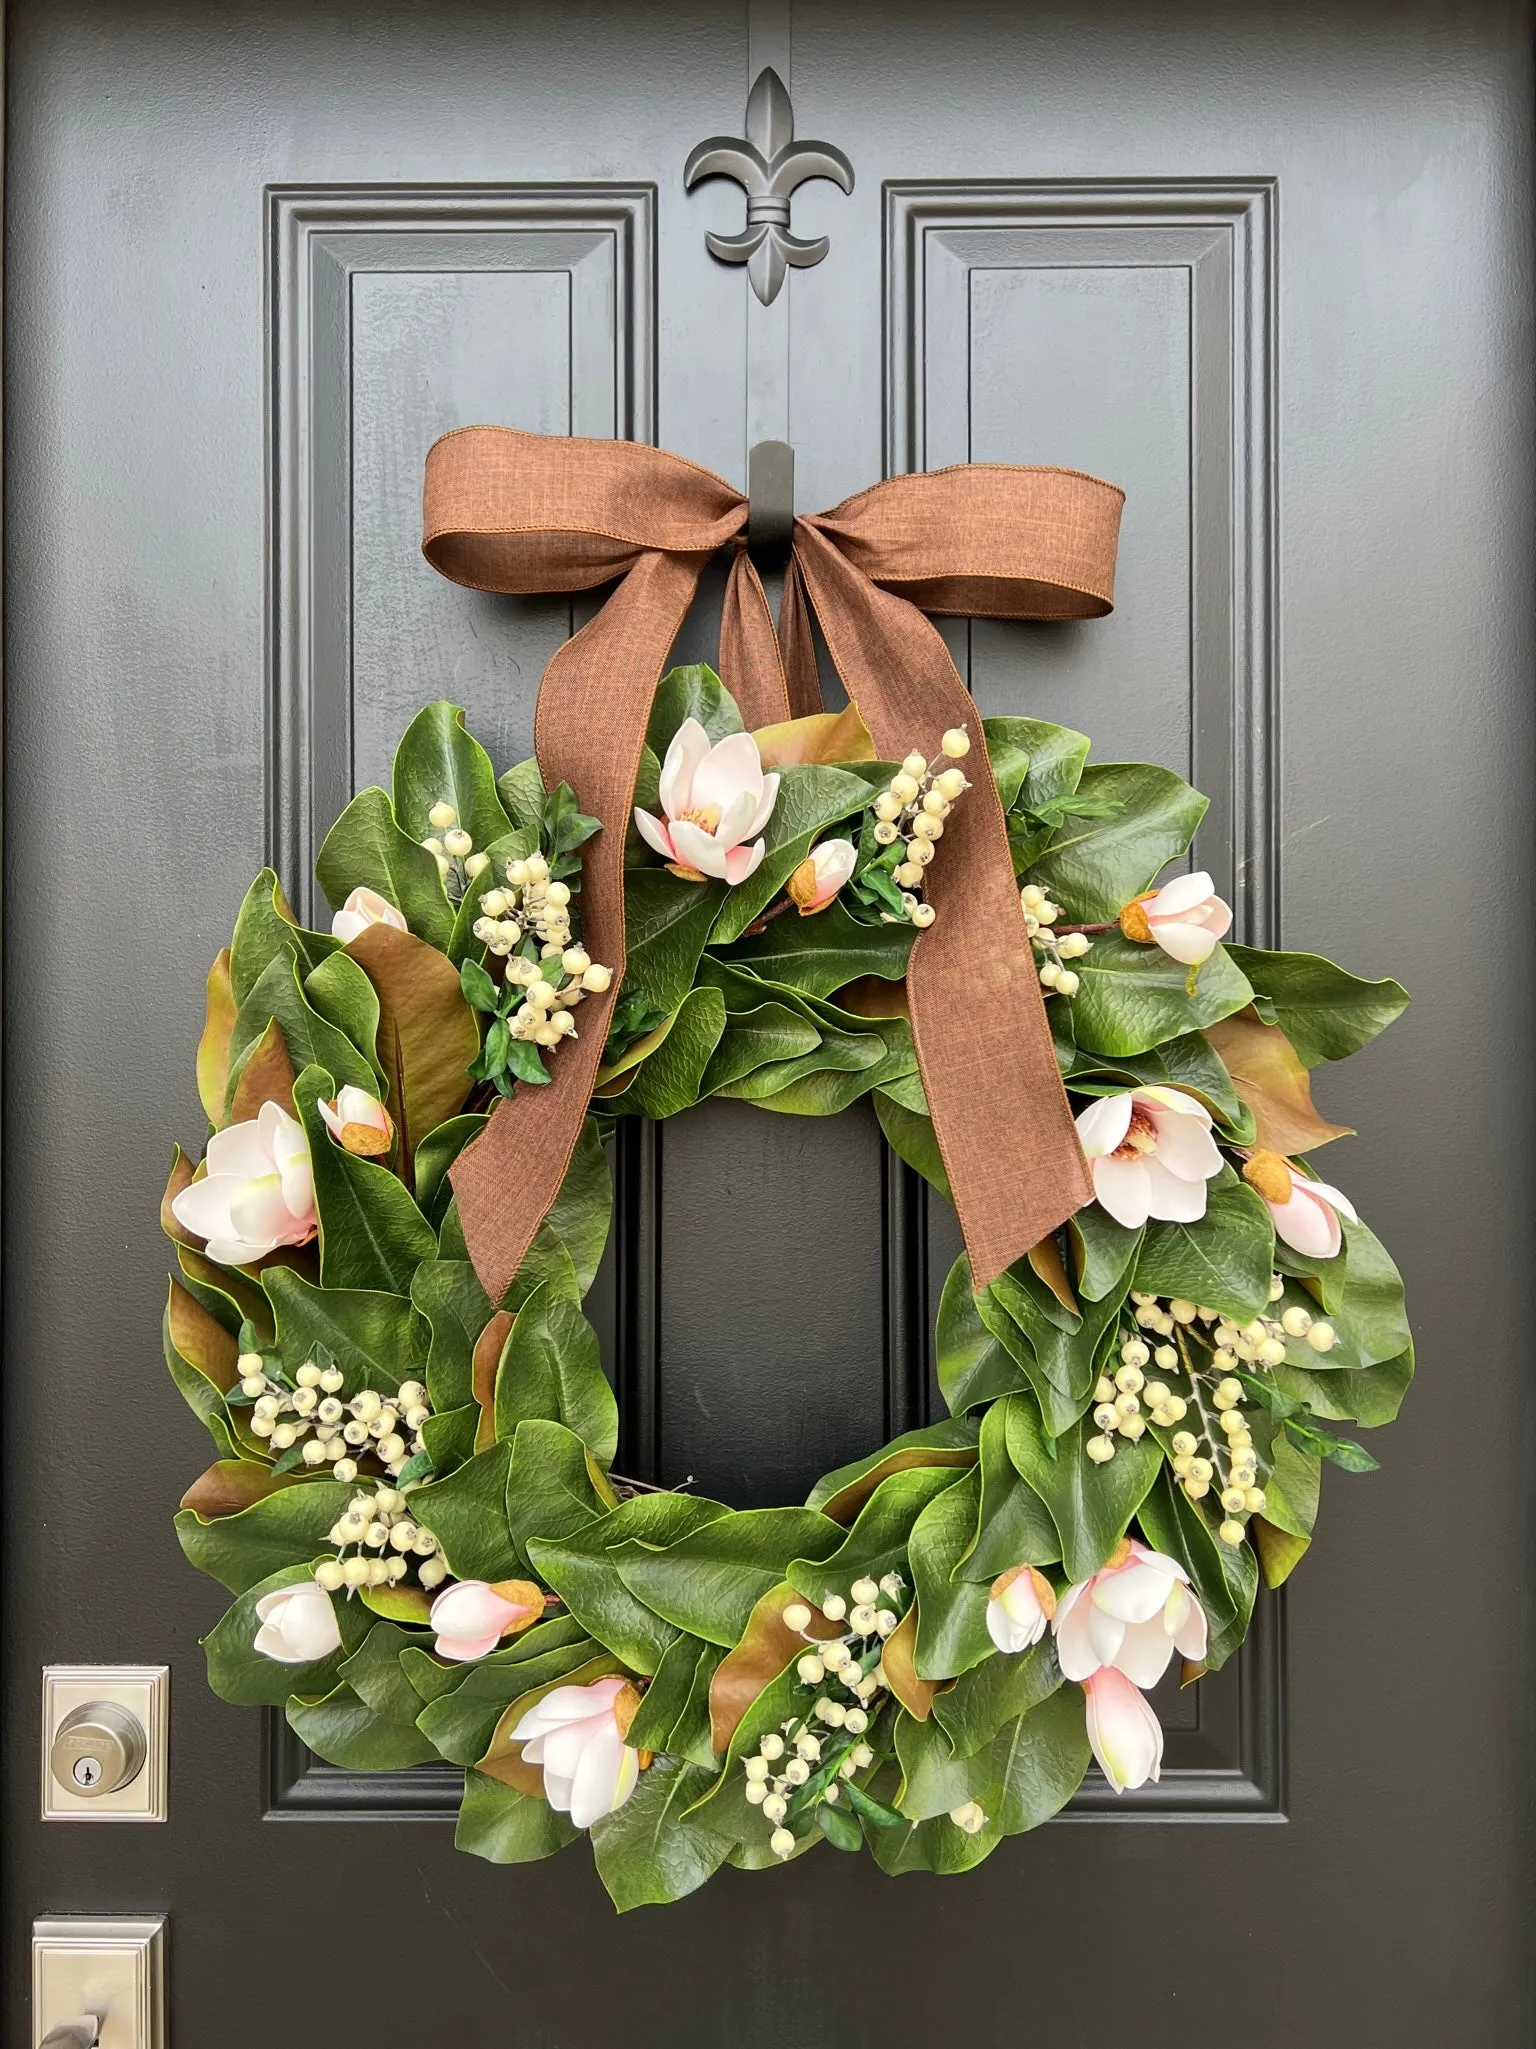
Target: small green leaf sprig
529,924
803,1773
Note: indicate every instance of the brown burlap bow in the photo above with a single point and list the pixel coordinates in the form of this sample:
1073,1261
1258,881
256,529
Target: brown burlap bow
507,511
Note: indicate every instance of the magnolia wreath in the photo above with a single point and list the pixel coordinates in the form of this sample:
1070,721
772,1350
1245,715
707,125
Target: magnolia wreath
413,1499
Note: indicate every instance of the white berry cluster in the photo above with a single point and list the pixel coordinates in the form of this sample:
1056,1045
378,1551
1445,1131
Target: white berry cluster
912,808
803,1763
384,1543
533,907
1040,914
312,1415
457,862
1124,1400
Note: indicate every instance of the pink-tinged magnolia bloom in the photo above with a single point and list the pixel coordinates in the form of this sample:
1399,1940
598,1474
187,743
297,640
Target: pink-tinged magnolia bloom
1185,918
472,1617
258,1192
577,1735
1308,1218
1133,1614
821,875
364,907
715,799
1021,1603
298,1625
359,1122
1126,1736
1151,1154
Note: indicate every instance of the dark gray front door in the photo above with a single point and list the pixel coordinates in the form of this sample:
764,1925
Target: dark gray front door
1268,269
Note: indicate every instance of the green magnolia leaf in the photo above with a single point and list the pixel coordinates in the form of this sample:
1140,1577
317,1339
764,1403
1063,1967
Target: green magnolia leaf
1225,1258
467,1513
551,1366
841,1494
693,691
1014,1526
555,1486
346,1731
665,1699
876,1544
936,1845
369,1335
810,801
1326,1013
1091,1505
1102,1251
311,1040
238,1672
507,1827
284,1529
1033,762
672,1079
973,1366
580,1214
1189,1062
435,1155
1134,997
823,953
1371,1395
988,1697
1095,866
365,849
1038,1763
371,1233
709,1581
951,1613
650,1851
1061,1364
912,1139
580,1570
437,761
374,1674
449,1296
521,791
266,927
666,925
770,1035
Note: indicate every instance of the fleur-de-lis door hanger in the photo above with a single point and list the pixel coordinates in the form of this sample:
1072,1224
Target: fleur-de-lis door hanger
769,164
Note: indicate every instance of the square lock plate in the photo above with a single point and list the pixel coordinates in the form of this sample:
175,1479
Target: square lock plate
113,1968
145,1691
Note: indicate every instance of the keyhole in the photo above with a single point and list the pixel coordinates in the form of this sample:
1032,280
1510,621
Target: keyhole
86,1771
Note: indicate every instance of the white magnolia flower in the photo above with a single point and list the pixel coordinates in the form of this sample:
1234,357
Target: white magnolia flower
258,1192
577,1735
1151,1154
364,907
298,1625
1133,1614
715,799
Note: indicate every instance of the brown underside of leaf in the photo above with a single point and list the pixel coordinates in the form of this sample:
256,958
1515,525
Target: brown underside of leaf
766,1648
915,1695
428,1035
1189,1673
1271,1080
182,1175
231,1484
874,996
213,1047
266,1077
845,1504
822,739
503,1758
201,1340
1046,1260
487,1357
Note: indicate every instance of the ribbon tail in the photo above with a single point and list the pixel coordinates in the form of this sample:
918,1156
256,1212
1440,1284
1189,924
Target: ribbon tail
750,664
798,644
984,1048
590,729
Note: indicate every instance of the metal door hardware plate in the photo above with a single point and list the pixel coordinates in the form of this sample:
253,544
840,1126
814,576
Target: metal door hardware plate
111,1969
106,1733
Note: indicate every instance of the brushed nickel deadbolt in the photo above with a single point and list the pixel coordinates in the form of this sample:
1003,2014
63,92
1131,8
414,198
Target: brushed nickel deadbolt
100,1749
105,1744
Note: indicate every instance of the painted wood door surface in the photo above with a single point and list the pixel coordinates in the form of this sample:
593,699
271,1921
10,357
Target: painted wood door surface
1269,269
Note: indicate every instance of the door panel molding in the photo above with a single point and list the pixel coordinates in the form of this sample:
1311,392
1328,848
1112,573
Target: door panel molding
329,249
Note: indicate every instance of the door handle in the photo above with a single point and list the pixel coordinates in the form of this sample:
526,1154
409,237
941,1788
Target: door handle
81,2033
